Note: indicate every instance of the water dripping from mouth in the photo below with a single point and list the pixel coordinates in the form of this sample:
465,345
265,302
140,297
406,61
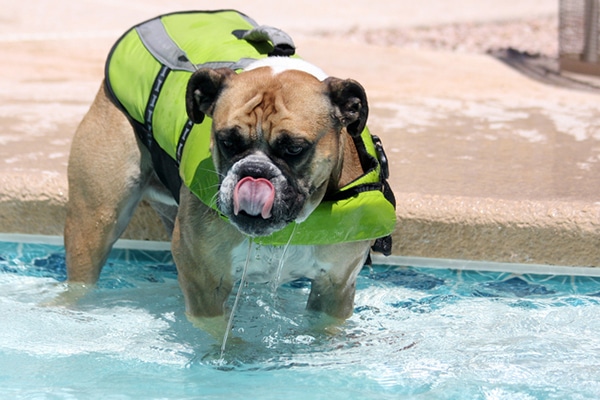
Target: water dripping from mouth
237,298
274,284
277,281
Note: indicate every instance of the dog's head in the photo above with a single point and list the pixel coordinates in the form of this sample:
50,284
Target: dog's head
277,140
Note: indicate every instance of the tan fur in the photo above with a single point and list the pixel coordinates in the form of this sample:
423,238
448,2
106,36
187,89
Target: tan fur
110,172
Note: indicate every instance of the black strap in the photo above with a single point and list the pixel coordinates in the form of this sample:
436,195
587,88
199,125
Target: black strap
185,132
383,245
165,167
382,157
161,76
354,191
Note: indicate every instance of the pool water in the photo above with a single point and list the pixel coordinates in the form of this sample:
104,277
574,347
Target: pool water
415,333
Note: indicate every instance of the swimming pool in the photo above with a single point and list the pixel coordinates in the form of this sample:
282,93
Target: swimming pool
416,333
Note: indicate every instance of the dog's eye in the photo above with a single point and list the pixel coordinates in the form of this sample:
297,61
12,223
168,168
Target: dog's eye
228,144
288,146
230,141
294,150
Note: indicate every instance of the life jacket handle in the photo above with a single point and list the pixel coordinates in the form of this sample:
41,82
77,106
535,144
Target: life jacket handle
283,45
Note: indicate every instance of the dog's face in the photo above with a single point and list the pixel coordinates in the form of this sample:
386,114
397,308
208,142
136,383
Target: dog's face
277,140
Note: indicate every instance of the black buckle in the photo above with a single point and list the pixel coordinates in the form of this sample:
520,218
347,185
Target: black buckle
384,244
382,157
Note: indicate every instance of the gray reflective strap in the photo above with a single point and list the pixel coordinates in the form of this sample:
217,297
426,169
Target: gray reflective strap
158,42
283,45
242,63
234,65
156,39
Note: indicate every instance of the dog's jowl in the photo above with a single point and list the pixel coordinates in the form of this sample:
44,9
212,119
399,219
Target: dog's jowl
232,138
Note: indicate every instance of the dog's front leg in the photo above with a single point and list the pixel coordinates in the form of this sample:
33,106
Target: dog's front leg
202,246
333,289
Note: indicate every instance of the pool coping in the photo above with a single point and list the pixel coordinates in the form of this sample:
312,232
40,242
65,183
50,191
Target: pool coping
429,227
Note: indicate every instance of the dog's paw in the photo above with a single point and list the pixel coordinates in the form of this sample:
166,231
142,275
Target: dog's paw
70,296
321,323
215,327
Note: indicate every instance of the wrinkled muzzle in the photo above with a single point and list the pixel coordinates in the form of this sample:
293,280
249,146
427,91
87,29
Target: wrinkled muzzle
257,198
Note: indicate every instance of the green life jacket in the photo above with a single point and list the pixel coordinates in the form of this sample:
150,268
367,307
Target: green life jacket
146,76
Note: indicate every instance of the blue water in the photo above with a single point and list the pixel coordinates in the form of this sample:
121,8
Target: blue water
416,333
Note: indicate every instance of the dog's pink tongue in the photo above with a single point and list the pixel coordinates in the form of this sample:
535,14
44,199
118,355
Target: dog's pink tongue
254,196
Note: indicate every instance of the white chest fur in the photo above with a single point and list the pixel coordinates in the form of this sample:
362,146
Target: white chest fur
276,264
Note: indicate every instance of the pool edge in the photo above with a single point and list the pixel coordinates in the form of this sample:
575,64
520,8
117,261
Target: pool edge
437,227
377,259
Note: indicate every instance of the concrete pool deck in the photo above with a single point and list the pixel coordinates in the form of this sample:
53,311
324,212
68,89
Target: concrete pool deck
486,164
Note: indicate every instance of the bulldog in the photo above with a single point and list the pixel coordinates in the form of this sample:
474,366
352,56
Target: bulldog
283,137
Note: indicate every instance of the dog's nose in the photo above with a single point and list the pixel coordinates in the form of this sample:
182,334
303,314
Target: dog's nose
257,165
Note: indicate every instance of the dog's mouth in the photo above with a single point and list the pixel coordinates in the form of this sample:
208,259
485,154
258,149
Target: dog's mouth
257,198
254,197
258,206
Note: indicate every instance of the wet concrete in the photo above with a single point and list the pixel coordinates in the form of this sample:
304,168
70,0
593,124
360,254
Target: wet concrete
486,164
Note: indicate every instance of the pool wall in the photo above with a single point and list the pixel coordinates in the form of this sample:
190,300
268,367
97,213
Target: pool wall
486,164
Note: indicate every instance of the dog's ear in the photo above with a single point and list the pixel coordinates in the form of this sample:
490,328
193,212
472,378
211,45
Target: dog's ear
350,102
203,89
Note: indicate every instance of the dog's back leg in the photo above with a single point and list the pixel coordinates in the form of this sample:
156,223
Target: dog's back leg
108,171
